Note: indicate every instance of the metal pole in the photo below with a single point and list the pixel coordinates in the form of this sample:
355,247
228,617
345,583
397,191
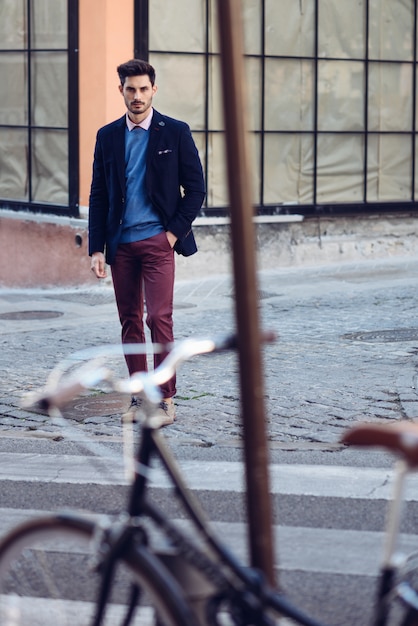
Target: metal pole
246,292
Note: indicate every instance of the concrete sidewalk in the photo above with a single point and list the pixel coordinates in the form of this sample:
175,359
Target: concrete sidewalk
347,351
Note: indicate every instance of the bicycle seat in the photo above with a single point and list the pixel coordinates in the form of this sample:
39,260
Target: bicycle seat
401,438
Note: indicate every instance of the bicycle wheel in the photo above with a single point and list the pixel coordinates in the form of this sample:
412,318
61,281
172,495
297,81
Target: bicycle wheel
47,579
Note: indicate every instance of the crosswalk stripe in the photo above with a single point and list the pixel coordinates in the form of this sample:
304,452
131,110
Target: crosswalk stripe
307,480
50,612
326,550
325,516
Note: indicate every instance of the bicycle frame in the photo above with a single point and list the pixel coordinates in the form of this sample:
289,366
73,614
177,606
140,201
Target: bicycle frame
224,571
224,577
389,567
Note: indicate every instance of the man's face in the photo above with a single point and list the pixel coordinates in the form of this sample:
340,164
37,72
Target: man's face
138,92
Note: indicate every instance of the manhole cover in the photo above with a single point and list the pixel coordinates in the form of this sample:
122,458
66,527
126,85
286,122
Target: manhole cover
30,315
384,336
104,405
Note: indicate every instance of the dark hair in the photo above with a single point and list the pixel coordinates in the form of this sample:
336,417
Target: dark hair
136,67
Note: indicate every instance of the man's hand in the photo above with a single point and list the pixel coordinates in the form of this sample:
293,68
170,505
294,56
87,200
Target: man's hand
171,238
98,265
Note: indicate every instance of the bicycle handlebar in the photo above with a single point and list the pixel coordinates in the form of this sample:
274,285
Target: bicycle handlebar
48,399
181,352
57,394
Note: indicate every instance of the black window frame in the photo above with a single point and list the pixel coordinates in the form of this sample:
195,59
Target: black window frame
72,208
365,207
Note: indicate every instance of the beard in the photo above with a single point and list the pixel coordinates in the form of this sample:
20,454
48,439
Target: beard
138,107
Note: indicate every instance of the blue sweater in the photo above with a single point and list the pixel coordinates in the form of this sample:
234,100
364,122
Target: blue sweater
141,220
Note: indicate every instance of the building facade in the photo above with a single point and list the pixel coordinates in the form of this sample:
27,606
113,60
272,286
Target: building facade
330,96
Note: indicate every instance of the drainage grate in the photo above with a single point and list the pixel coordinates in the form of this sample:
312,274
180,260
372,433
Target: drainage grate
261,295
265,295
184,305
384,336
30,315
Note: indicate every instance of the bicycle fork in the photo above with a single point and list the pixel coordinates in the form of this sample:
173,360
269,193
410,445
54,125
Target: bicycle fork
389,566
112,540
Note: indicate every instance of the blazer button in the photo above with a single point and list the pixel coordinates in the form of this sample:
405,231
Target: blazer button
120,222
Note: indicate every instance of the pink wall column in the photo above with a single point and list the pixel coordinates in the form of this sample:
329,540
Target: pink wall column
106,34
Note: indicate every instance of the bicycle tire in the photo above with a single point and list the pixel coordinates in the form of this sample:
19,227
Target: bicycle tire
46,579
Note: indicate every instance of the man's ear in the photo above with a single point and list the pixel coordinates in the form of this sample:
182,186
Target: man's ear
120,88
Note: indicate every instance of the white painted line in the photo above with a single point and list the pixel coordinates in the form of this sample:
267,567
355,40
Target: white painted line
312,480
325,550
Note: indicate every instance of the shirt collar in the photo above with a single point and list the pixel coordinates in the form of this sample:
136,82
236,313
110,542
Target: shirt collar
145,124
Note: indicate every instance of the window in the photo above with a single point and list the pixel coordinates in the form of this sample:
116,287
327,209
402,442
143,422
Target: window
39,105
331,95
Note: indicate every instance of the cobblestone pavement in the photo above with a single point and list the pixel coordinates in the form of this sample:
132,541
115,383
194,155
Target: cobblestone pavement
347,350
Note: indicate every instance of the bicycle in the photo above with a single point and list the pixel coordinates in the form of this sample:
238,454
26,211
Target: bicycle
123,573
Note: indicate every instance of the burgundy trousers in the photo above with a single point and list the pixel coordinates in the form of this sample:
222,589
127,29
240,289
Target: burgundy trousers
144,271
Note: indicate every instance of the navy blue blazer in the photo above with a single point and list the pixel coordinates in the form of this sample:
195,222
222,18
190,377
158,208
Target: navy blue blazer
174,181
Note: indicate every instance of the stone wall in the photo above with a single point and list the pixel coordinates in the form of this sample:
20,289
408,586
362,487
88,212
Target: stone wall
45,251
311,242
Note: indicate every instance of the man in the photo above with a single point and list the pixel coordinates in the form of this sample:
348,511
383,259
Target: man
146,190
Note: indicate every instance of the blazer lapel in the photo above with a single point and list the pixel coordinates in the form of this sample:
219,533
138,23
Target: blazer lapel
156,133
119,150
